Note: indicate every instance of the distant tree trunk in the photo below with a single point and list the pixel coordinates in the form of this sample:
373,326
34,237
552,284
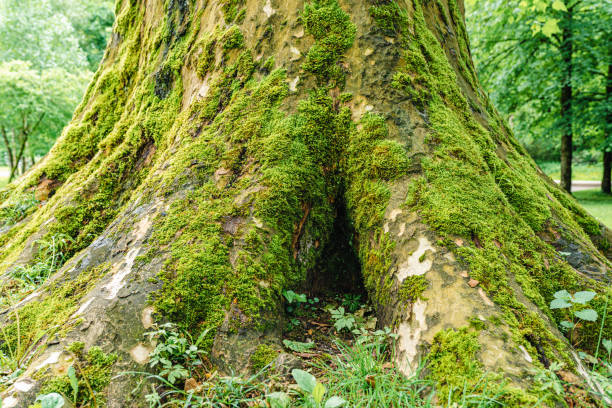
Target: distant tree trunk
567,144
606,181
229,150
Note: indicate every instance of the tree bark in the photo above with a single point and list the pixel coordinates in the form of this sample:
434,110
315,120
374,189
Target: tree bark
225,148
606,181
567,144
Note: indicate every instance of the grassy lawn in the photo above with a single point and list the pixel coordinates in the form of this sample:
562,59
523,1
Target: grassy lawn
579,171
598,204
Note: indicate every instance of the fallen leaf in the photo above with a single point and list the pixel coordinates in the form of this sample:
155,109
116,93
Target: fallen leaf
473,283
371,380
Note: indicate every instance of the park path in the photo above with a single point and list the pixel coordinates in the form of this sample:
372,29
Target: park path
579,185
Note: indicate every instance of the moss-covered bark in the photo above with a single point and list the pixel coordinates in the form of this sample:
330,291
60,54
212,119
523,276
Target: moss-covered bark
219,141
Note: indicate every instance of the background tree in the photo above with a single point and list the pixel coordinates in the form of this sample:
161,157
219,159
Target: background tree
48,51
34,107
545,66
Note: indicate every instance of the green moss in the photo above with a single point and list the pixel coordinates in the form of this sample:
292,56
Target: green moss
264,355
476,323
453,365
17,208
412,288
334,34
268,65
240,123
389,17
233,38
499,206
93,371
207,57
48,315
453,361
232,10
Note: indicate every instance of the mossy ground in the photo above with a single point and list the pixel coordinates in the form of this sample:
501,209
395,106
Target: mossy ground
93,373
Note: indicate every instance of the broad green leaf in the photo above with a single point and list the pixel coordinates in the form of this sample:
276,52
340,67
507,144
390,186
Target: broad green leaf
584,296
74,382
587,314
318,393
567,325
562,294
607,343
551,27
559,304
335,402
278,400
559,5
298,345
53,400
304,380
540,5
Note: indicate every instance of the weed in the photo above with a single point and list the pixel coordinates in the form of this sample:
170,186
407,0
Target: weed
575,308
49,258
548,380
351,302
342,320
176,356
16,209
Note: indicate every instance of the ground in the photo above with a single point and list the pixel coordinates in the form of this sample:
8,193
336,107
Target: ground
597,203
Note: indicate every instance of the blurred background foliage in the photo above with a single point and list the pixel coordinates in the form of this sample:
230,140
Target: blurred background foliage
49,50
526,52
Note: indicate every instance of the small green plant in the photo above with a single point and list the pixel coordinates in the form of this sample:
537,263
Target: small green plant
607,343
314,392
176,355
342,320
52,400
17,209
575,310
548,380
298,305
298,346
351,302
74,383
49,258
294,300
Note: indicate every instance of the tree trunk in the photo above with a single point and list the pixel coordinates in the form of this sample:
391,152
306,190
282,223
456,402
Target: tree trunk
225,148
606,181
567,144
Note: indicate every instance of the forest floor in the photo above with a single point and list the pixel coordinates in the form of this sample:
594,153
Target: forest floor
332,356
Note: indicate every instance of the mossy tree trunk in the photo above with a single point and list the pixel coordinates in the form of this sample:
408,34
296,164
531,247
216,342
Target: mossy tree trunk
218,146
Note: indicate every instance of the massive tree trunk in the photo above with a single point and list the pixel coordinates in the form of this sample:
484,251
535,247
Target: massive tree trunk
207,167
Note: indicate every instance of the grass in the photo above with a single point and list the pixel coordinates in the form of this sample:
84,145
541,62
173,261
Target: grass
596,203
580,171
